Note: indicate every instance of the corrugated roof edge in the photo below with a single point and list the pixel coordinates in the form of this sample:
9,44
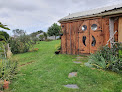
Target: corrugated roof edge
115,10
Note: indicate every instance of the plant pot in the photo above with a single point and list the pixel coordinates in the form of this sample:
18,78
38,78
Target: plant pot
6,84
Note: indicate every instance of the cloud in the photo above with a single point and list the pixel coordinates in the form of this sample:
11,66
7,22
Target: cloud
34,15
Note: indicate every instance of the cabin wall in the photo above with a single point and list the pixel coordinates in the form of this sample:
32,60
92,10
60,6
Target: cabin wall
120,30
70,38
105,29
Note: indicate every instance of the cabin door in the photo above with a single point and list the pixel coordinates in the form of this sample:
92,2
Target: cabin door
96,36
90,36
84,47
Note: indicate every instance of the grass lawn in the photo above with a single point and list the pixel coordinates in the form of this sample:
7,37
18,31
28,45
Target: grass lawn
43,71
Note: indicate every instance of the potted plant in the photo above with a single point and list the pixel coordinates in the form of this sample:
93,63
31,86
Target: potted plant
58,47
6,84
61,33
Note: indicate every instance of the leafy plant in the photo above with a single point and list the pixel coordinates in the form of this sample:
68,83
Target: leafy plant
107,58
8,68
58,46
4,26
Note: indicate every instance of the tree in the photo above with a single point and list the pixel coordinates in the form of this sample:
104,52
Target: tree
54,30
41,37
36,33
4,36
3,40
18,32
45,35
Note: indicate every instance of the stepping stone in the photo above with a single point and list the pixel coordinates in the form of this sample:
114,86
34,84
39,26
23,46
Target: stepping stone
77,62
73,86
79,57
73,74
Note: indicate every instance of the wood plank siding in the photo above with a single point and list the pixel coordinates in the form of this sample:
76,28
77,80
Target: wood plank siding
72,40
120,30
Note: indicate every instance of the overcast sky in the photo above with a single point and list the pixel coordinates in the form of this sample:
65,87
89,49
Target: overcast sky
34,15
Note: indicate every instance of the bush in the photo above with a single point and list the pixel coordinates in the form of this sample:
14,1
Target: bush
47,40
35,39
21,44
107,58
120,53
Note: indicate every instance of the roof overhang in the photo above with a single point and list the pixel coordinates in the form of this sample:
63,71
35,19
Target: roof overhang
110,13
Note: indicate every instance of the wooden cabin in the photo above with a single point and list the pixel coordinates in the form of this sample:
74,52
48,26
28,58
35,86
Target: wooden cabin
85,32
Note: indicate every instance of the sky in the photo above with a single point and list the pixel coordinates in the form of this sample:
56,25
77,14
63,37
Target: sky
35,15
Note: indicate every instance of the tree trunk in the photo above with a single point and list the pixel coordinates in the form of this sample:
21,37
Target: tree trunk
55,37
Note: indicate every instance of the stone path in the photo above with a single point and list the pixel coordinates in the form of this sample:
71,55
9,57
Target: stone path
74,86
73,74
76,62
79,58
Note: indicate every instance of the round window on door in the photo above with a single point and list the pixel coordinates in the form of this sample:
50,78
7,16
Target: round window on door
94,27
84,27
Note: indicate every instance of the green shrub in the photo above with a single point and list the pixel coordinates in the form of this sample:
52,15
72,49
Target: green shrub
35,39
107,58
48,40
120,53
21,44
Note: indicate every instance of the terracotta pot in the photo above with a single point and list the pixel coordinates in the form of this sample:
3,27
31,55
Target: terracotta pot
6,84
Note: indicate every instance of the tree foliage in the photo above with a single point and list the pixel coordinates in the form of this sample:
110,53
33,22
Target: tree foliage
21,42
18,32
54,30
4,36
4,26
36,33
45,35
41,37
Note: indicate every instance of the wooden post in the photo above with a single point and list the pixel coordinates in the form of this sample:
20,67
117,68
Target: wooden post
120,30
111,30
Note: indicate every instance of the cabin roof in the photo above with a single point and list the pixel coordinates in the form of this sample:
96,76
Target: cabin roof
104,11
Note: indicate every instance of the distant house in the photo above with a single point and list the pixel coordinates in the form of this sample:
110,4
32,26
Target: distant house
39,35
52,37
85,32
48,37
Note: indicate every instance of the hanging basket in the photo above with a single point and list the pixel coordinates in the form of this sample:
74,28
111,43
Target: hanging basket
61,34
